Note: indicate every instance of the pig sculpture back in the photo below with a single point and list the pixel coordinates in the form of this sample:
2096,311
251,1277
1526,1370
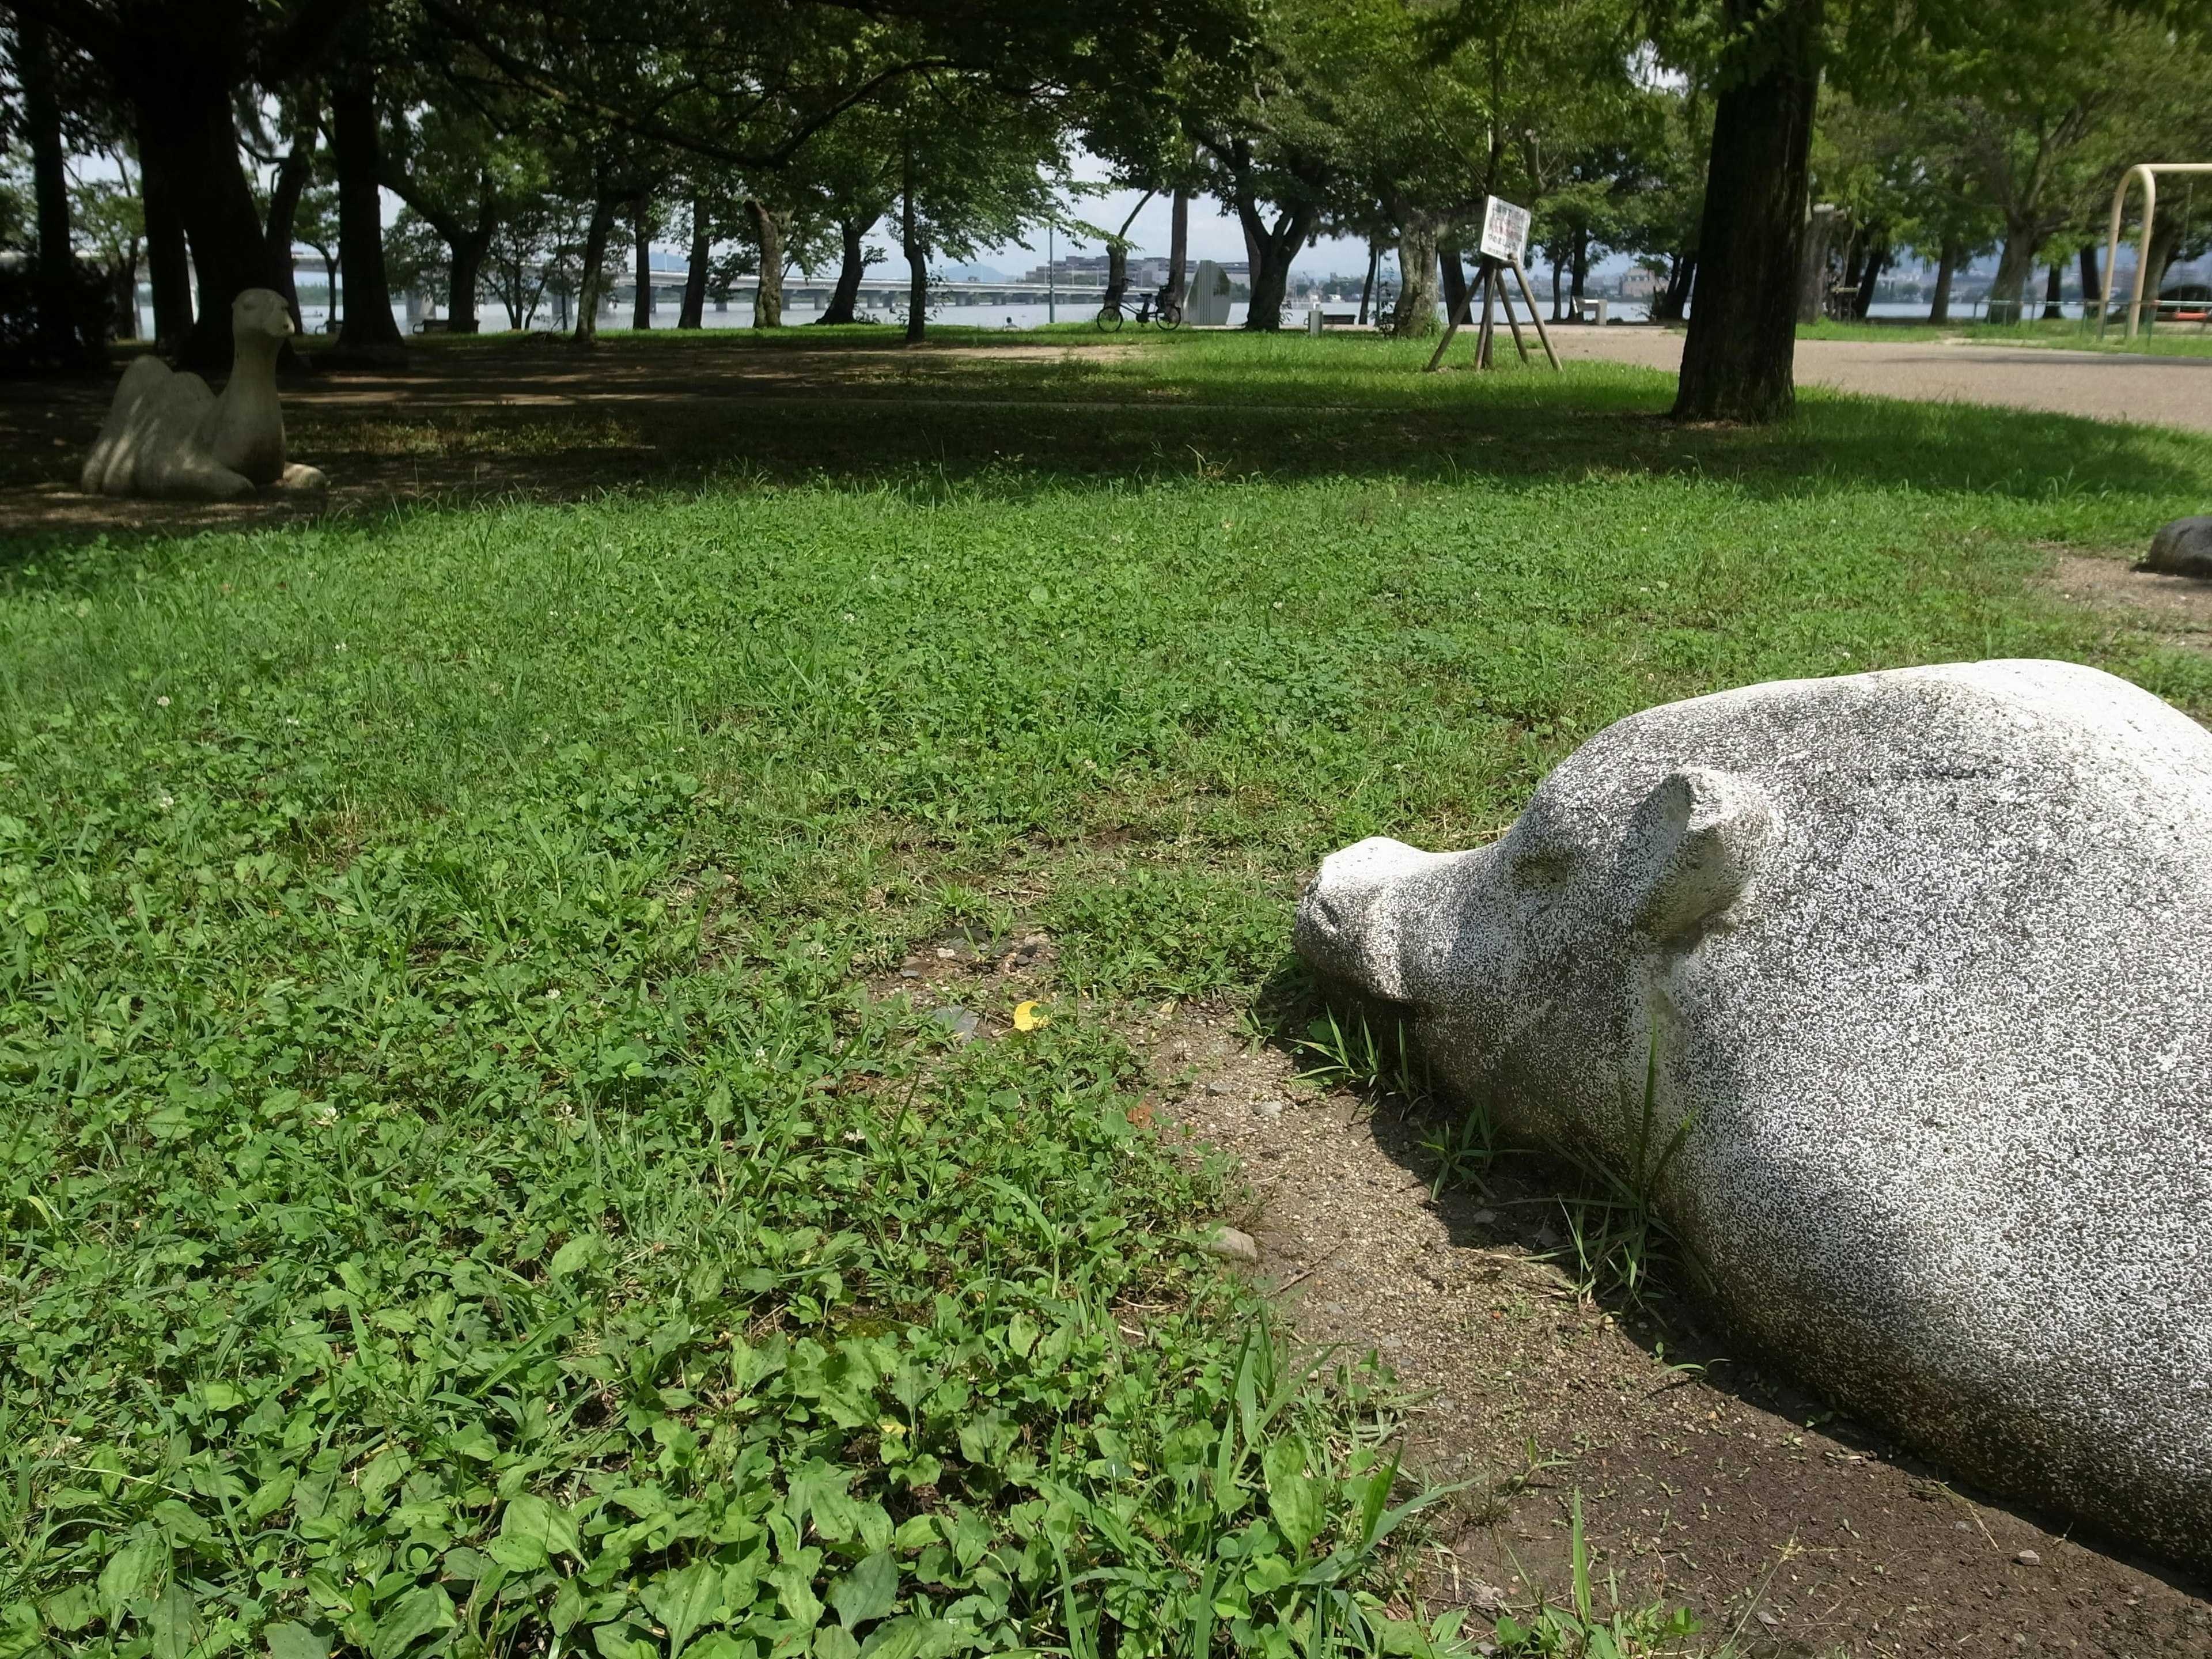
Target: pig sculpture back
1925,957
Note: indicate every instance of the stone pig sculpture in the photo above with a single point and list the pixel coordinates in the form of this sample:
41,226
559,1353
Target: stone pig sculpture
167,436
1925,958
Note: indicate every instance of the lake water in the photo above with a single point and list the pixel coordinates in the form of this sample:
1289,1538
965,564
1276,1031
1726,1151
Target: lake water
1018,317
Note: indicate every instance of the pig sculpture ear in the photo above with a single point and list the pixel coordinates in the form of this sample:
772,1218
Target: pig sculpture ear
1693,847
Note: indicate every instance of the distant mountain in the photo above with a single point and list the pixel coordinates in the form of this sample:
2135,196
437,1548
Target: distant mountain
972,272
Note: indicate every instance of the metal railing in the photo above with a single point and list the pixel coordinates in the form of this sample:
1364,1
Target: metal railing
2148,171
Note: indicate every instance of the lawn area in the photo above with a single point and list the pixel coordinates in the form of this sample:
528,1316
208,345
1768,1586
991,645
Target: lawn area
476,1182
2168,340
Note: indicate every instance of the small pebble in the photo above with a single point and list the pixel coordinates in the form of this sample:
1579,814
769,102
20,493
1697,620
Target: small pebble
963,1021
1229,1243
1266,1109
1483,1218
909,973
2028,1558
1215,1089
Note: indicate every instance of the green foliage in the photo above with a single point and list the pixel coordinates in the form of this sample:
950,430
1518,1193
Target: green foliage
1176,932
1582,1629
406,1259
1614,1224
459,1189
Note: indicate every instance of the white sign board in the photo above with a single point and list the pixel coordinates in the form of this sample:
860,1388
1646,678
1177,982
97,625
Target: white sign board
1504,231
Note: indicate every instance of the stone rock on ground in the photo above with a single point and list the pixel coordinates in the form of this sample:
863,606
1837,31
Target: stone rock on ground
1922,960
2182,548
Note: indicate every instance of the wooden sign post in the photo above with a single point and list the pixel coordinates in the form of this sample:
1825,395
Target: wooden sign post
1504,239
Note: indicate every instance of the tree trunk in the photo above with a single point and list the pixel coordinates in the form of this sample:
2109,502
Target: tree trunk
354,145
1117,257
850,269
592,283
2053,291
768,230
2093,285
1367,288
168,266
2165,243
1178,248
122,292
1813,283
1454,279
292,176
59,341
1738,361
2014,265
1870,273
193,127
464,266
1558,293
1578,268
1416,315
694,314
641,305
1681,277
1271,249
917,257
1947,267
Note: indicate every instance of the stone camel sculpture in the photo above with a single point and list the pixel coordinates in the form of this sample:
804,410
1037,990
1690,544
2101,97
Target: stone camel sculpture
168,436
1922,963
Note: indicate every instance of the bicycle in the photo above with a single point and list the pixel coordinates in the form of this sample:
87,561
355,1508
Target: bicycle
1154,310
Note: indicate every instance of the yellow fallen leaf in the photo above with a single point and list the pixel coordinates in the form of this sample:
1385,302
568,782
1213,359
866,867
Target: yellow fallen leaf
1026,1017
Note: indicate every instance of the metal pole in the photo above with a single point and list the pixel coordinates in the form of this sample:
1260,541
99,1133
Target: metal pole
2150,170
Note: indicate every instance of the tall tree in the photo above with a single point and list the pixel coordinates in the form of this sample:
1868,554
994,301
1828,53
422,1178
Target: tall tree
1739,356
976,170
37,74
179,65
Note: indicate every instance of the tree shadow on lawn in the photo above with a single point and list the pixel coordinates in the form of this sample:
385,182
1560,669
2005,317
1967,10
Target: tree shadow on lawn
461,427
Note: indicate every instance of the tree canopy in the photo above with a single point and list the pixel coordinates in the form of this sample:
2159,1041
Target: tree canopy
541,146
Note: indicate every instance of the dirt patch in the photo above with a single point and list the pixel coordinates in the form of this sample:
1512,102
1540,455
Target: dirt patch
1704,1481
2176,608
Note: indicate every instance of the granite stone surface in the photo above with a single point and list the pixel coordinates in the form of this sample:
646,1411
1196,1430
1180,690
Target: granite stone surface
2182,547
1925,959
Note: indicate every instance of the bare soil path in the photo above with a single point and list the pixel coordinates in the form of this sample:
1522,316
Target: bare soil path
2103,386
1706,1480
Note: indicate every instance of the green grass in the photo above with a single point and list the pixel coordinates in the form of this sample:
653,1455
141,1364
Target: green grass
463,1195
2168,340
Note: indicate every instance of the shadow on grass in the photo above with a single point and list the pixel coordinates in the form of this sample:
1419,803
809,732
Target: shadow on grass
471,421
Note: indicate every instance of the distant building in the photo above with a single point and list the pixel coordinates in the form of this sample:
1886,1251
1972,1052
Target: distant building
1145,270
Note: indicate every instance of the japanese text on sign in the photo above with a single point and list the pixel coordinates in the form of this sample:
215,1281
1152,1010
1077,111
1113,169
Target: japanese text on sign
1504,231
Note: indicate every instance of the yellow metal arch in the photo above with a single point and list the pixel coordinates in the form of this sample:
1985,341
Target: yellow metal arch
2148,171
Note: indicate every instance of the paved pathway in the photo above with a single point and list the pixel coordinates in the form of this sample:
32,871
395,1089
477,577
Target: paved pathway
2106,386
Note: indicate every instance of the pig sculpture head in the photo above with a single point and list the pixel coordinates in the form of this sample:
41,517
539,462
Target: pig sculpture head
1923,958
